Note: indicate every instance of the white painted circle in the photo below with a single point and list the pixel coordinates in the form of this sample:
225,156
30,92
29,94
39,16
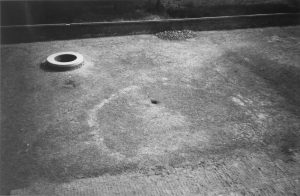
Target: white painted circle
65,60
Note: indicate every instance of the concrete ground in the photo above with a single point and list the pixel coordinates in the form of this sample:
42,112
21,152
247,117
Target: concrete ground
218,114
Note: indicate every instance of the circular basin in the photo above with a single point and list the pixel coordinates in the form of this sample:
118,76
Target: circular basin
65,60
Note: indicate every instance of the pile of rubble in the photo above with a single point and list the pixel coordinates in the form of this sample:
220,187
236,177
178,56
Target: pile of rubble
176,35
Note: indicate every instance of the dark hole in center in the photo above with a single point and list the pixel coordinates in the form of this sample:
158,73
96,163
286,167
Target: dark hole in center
154,101
65,58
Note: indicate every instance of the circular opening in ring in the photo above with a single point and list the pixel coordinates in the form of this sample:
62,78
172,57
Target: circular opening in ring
63,61
65,58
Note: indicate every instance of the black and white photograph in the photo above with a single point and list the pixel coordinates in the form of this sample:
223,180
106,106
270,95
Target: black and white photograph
150,98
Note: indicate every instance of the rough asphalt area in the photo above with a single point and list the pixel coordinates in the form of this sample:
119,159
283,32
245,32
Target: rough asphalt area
217,114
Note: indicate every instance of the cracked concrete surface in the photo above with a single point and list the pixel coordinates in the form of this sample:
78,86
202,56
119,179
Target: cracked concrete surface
217,114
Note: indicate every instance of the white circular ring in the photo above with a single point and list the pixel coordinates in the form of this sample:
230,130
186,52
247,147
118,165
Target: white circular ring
52,60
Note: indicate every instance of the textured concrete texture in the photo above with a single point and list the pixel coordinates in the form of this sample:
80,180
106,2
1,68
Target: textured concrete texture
218,114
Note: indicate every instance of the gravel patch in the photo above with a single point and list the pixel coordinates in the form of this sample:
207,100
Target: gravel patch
176,35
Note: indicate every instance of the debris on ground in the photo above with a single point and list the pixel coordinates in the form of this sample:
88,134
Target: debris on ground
176,35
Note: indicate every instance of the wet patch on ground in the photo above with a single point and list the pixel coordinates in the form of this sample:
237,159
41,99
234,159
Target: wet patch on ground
278,115
283,78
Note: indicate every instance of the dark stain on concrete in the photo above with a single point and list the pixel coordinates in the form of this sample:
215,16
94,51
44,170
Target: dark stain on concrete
285,79
289,144
286,144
